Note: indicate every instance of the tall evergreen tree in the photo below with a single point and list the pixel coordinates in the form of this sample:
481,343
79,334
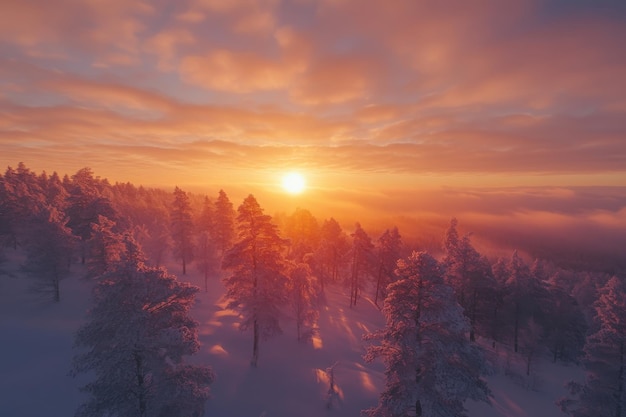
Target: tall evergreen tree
604,391
224,224
565,326
331,254
303,232
362,260
302,297
85,204
471,277
206,251
430,366
21,197
389,251
104,247
257,283
49,246
135,341
525,297
182,227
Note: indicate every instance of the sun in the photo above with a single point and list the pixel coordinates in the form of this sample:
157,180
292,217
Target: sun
293,183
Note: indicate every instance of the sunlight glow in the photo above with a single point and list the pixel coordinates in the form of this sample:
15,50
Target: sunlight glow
293,183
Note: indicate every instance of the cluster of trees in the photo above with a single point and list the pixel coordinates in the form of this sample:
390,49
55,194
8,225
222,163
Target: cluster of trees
435,312
273,268
139,330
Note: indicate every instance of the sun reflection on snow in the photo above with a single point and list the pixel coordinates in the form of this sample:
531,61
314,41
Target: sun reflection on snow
218,350
366,380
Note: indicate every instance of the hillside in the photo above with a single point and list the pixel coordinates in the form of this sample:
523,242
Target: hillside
290,380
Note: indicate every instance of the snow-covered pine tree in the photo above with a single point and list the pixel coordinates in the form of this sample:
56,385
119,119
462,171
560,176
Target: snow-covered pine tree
206,252
389,250
565,327
362,259
49,245
604,391
431,367
182,227
135,341
525,297
257,284
331,254
104,247
471,277
302,297
224,224
303,232
85,204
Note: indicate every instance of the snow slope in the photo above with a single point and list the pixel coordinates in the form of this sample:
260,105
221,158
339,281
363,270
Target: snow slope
36,341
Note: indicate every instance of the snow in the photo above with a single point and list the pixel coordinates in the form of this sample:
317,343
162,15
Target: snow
291,380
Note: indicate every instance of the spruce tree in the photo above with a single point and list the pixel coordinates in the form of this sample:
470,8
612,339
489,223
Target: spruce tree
182,227
135,342
431,368
257,284
362,261
604,391
224,224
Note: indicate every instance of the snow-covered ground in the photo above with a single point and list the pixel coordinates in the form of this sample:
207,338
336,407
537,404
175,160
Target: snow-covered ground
36,340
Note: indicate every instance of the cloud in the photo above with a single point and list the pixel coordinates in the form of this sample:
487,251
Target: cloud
530,91
244,72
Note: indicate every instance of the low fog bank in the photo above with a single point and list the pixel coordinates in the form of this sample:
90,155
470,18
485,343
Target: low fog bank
575,227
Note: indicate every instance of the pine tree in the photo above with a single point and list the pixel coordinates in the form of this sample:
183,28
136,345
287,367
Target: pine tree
471,277
104,247
430,366
135,341
49,246
604,391
257,283
21,197
206,250
389,251
361,254
525,297
85,204
303,232
182,227
565,328
302,296
224,224
331,254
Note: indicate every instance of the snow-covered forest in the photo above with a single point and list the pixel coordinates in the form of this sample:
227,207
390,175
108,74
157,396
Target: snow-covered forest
120,300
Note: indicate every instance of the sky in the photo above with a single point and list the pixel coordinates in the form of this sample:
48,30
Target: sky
370,100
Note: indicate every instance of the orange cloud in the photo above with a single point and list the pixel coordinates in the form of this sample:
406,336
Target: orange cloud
235,72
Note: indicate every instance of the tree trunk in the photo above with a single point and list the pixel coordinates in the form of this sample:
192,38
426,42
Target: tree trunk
620,383
141,397
57,290
380,277
255,345
418,408
516,328
473,316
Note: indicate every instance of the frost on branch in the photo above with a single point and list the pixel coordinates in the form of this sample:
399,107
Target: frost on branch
431,367
135,341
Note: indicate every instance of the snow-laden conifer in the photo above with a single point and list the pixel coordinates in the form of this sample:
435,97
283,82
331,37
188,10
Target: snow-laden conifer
431,367
470,275
49,246
257,283
302,297
135,341
182,227
603,392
